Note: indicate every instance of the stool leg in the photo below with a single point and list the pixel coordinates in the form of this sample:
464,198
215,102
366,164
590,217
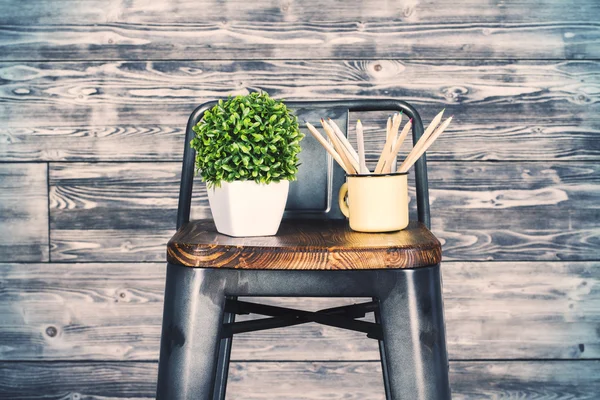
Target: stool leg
412,320
223,359
193,314
384,370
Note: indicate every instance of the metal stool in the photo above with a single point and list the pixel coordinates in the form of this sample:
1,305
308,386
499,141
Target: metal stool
314,254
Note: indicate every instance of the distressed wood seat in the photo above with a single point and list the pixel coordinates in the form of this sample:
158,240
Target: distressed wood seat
305,245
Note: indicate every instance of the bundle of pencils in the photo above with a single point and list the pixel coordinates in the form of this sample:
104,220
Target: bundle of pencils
353,162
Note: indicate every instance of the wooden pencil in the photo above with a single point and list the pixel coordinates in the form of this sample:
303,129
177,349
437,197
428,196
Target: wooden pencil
430,129
340,148
327,147
353,162
396,122
344,140
412,158
360,141
386,147
389,163
434,123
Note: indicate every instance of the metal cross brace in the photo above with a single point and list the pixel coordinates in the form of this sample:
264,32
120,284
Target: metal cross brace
340,317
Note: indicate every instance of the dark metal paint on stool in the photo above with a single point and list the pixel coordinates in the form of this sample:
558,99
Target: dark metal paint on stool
411,319
192,320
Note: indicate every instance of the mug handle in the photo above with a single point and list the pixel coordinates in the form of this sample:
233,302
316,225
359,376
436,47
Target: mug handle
342,200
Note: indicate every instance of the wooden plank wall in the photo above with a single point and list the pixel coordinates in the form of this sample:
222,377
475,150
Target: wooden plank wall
94,96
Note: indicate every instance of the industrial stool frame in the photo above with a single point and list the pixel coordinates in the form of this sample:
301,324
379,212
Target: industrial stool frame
201,303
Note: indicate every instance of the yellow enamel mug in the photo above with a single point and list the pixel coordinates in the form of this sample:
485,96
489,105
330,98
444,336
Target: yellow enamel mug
375,203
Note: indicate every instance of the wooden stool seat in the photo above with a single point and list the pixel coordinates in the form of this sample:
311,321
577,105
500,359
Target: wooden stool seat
305,245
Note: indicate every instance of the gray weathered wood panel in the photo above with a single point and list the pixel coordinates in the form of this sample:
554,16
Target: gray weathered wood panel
537,140
542,380
115,143
23,212
296,40
314,29
522,110
165,92
34,12
482,211
113,312
515,178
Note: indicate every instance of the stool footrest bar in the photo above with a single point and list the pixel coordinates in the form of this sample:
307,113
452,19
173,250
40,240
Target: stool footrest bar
340,317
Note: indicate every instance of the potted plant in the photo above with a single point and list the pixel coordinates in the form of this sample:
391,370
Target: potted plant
247,152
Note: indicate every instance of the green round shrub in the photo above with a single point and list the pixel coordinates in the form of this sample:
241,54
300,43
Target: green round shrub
252,137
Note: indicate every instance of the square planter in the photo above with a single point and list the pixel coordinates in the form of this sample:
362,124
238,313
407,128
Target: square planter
247,208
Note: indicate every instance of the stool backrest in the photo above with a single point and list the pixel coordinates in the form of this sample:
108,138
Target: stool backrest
314,194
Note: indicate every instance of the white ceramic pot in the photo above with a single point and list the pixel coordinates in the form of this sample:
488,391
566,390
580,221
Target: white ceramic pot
247,208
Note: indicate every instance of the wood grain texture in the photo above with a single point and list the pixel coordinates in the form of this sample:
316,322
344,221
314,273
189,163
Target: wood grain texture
518,211
79,94
304,244
94,81
23,212
95,143
480,211
122,111
301,381
330,36
186,11
113,311
131,211
494,141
